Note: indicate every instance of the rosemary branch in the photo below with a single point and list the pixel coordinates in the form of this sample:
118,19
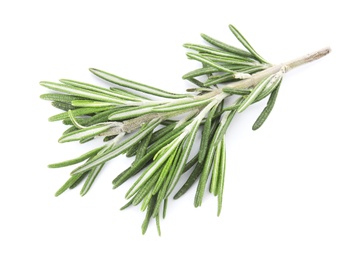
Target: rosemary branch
149,129
285,67
133,124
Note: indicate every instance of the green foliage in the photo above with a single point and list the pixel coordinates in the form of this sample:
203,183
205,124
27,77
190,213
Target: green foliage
150,130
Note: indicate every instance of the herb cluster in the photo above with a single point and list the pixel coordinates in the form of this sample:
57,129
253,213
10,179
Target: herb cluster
131,123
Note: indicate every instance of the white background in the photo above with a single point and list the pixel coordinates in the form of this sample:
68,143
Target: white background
282,192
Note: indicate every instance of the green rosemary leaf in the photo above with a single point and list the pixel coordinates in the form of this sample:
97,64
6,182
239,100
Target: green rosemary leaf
88,120
108,138
126,205
131,171
148,214
87,132
133,150
146,201
222,78
164,172
99,89
223,126
84,93
165,139
143,147
196,82
73,179
74,121
128,95
226,47
266,111
204,176
78,112
246,44
221,177
58,97
90,179
70,129
158,225
99,117
227,61
124,175
208,62
161,132
275,83
91,87
77,182
168,122
199,90
200,72
134,85
234,91
81,120
216,169
76,160
205,49
160,199
91,103
165,206
191,163
190,181
254,94
205,135
62,105
85,140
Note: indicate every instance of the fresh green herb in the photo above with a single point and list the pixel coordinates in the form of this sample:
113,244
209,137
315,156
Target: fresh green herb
150,130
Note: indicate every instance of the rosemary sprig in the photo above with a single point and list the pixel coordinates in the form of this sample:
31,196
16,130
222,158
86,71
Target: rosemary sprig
135,125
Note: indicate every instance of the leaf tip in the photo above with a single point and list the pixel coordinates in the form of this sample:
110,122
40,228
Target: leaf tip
197,203
51,119
255,127
62,140
177,196
190,55
43,83
93,70
65,81
58,192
